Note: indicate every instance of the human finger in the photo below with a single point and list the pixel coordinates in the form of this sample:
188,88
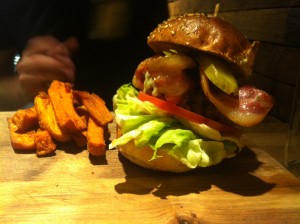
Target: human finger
42,64
41,45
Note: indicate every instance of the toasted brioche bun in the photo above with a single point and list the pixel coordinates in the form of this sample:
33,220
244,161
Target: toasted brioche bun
142,157
191,33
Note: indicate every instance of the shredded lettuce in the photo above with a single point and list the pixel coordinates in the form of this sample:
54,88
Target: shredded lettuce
146,124
126,102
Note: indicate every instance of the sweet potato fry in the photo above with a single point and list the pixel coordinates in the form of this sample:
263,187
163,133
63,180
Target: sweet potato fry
25,119
61,115
95,138
44,143
21,141
82,111
95,105
61,97
80,138
47,119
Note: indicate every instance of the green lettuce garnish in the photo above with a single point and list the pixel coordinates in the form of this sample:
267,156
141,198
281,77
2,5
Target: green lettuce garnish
146,124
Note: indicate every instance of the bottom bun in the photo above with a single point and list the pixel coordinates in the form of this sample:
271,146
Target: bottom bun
142,157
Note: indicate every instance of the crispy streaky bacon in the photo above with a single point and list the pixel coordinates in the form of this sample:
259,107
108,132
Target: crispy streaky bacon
62,101
95,138
47,119
61,115
249,108
44,143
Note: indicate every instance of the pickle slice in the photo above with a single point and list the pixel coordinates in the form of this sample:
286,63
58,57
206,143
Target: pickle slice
219,73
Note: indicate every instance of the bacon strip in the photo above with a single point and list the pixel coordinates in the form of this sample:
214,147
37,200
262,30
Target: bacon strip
167,76
248,109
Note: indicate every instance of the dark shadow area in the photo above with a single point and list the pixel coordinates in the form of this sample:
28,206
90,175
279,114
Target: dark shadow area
20,151
98,160
70,147
232,175
103,65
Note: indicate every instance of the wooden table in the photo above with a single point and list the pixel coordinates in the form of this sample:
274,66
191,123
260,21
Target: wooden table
71,187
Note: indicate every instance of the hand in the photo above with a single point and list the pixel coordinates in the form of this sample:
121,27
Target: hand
43,60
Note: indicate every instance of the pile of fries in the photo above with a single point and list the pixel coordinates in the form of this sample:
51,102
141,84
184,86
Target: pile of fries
61,115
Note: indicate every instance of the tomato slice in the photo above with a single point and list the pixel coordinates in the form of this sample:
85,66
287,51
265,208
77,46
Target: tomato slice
188,115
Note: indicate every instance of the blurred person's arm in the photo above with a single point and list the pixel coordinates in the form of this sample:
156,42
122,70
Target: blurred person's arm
12,95
43,60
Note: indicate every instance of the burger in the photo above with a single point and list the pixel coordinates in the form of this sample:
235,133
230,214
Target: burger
187,105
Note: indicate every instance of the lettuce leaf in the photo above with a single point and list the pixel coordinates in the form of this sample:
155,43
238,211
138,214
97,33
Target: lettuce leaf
146,124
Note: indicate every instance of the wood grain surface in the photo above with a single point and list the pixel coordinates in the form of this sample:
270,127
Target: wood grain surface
73,187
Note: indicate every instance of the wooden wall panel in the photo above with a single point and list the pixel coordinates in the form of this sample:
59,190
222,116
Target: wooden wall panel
278,62
208,6
278,26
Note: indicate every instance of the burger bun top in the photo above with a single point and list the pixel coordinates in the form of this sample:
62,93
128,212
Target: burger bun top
195,33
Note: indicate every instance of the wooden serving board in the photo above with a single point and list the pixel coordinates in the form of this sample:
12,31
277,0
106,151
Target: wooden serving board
72,187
